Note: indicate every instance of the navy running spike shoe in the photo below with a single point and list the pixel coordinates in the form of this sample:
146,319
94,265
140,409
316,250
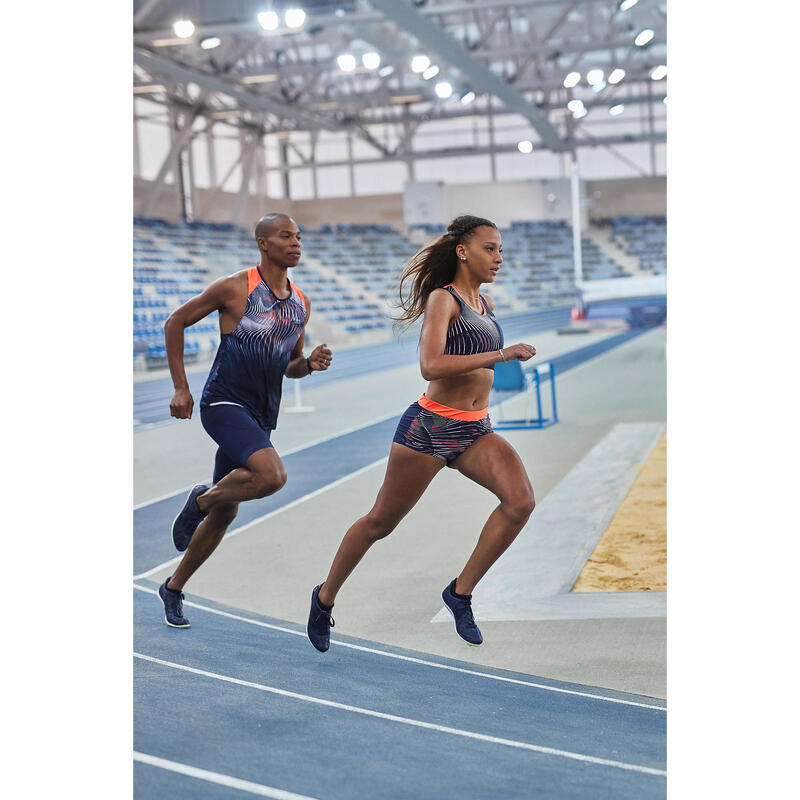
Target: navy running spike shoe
173,606
320,623
185,524
461,611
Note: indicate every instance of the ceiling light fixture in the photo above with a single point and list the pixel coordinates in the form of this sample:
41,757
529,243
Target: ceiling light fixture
616,75
467,98
431,72
268,20
644,37
659,72
626,4
443,89
420,63
371,60
594,76
575,105
572,79
294,17
346,62
386,71
183,28
210,42
525,146
616,110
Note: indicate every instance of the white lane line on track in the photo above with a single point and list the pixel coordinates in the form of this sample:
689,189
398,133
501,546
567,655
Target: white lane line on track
551,751
282,454
280,510
413,660
217,777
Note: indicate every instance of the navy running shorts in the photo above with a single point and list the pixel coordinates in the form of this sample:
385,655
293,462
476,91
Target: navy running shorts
236,432
436,434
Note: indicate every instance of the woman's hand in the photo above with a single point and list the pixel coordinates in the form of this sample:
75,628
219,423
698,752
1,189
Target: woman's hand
519,352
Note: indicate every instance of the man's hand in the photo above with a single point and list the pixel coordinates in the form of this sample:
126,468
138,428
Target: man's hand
321,357
182,404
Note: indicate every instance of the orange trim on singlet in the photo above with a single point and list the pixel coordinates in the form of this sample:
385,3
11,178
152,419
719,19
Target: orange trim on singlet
253,279
453,413
480,297
300,295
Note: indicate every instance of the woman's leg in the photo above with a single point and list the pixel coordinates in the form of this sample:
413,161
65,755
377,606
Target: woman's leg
408,474
492,462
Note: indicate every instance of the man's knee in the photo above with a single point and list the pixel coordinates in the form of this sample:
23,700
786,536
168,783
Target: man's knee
223,514
268,483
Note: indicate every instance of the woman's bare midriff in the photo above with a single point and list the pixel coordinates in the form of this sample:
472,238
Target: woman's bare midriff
469,392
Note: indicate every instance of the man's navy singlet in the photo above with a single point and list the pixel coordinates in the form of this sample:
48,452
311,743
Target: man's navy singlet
249,365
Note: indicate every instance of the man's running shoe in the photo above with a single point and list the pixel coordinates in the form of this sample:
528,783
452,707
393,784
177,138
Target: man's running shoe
320,623
461,610
173,606
185,524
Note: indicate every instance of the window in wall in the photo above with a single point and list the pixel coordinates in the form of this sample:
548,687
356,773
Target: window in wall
227,149
154,141
300,184
386,178
331,147
464,169
333,181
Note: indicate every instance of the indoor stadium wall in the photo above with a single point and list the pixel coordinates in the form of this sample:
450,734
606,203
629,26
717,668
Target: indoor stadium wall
624,197
429,203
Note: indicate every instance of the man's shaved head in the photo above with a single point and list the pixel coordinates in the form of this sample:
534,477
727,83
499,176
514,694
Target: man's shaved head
268,223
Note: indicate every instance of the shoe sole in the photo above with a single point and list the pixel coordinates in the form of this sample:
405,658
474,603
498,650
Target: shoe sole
469,644
172,531
173,625
318,649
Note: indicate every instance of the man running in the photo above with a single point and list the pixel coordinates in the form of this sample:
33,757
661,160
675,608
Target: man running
262,319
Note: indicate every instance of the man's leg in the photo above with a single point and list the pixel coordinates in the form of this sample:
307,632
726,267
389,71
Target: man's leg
263,474
247,467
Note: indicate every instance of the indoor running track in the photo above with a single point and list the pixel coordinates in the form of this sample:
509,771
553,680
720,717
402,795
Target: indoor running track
242,705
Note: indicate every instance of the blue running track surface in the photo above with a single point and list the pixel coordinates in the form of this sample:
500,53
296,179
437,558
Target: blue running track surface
245,705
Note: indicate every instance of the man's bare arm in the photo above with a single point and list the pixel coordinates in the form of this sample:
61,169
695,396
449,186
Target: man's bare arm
217,297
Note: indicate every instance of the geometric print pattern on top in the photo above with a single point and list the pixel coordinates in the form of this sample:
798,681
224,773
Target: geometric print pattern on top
251,359
436,435
472,332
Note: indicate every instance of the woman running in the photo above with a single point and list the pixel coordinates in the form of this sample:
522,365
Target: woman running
449,425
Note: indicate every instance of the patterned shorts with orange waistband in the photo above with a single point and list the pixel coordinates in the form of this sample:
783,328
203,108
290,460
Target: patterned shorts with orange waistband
437,430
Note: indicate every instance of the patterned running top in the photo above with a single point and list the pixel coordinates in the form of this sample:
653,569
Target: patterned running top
249,365
472,332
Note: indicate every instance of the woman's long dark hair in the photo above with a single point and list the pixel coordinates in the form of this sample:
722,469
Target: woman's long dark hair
434,266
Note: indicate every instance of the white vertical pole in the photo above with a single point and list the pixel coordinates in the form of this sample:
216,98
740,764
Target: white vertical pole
576,222
298,406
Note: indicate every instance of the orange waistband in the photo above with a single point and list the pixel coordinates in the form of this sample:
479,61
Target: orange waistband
453,413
